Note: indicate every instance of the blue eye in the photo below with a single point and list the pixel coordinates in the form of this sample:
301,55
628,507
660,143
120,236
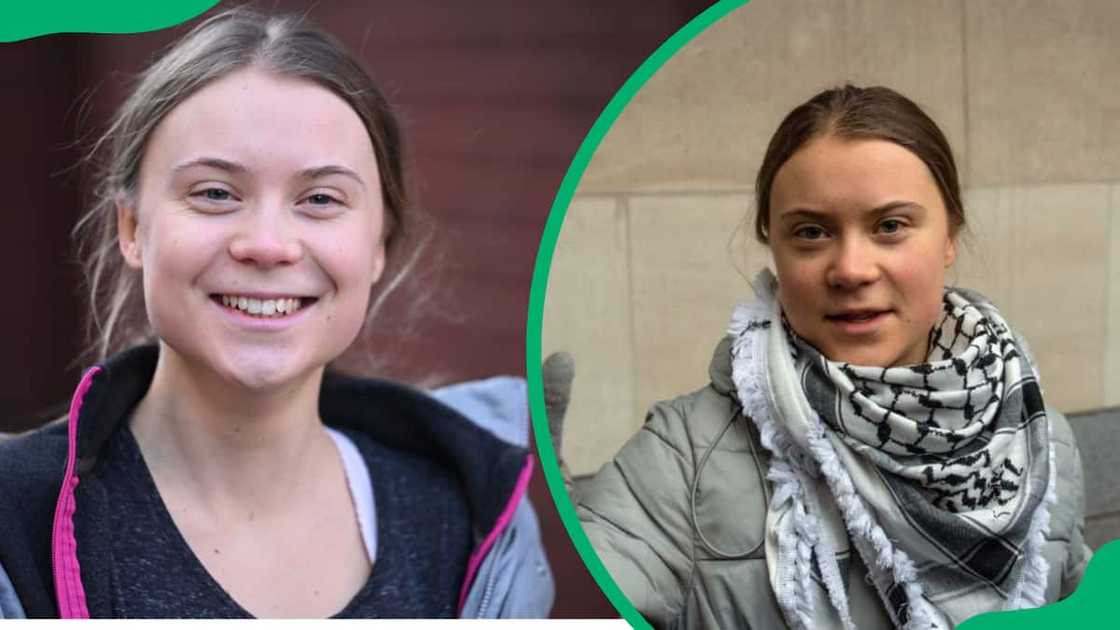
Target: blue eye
214,194
213,199
321,199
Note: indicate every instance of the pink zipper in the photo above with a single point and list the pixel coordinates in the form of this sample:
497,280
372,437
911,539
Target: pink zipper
503,521
68,589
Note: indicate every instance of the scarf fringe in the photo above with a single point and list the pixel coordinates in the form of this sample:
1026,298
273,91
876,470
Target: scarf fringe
862,525
1030,592
830,569
790,471
749,377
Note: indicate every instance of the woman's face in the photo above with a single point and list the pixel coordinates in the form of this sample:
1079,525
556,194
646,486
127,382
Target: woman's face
861,241
257,227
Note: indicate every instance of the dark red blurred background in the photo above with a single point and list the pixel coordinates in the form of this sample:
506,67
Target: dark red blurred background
495,97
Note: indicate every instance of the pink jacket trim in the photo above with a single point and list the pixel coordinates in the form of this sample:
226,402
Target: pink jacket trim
506,516
68,589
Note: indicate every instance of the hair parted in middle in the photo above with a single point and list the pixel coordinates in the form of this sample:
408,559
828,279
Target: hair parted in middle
870,113
239,38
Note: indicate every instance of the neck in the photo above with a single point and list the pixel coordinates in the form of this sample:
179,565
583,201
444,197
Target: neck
224,444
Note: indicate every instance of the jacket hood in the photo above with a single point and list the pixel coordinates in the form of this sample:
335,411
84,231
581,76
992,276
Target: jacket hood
494,474
396,415
506,573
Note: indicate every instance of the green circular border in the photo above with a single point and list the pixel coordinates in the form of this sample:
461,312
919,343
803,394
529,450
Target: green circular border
1087,606
540,288
25,19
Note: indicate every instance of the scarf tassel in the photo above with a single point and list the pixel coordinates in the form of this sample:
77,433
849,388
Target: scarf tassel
792,472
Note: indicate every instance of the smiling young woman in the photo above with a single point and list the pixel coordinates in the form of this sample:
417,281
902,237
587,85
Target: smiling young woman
250,211
874,449
271,207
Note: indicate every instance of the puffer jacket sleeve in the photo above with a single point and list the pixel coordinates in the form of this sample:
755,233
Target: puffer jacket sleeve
635,512
1068,516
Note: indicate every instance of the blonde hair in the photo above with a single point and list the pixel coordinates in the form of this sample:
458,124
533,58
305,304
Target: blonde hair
224,43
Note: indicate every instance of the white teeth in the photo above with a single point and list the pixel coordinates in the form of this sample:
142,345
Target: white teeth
262,308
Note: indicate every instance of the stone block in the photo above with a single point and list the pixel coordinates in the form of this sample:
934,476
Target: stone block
587,313
692,257
1043,103
703,121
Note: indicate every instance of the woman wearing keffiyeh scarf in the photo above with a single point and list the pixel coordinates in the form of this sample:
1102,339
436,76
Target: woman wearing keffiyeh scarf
905,438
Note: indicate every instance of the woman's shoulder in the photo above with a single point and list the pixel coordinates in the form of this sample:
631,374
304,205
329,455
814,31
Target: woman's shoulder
695,420
422,429
1069,486
706,416
491,408
1067,456
498,404
423,439
702,431
1061,432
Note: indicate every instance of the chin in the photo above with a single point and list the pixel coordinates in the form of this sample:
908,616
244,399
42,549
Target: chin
260,380
263,371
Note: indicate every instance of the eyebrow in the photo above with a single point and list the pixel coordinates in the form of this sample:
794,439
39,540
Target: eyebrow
876,211
211,162
314,172
330,169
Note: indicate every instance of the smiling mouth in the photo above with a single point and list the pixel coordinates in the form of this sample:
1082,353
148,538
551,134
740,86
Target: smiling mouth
265,309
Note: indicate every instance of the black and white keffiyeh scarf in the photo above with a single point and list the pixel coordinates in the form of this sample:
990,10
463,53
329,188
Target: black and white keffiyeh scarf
940,475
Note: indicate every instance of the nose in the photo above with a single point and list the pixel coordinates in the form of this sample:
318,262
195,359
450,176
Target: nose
266,238
854,264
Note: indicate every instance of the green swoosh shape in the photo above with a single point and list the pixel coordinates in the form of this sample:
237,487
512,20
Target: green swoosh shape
1092,605
32,18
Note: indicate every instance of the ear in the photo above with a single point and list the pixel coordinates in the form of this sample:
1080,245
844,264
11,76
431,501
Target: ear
126,234
378,262
951,250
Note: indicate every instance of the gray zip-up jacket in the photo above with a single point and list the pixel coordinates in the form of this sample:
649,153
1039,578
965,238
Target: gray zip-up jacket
679,517
52,533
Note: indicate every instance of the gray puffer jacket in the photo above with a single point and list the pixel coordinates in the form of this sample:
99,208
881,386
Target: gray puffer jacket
678,517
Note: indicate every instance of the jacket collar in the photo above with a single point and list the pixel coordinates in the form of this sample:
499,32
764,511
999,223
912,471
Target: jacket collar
395,415
494,474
